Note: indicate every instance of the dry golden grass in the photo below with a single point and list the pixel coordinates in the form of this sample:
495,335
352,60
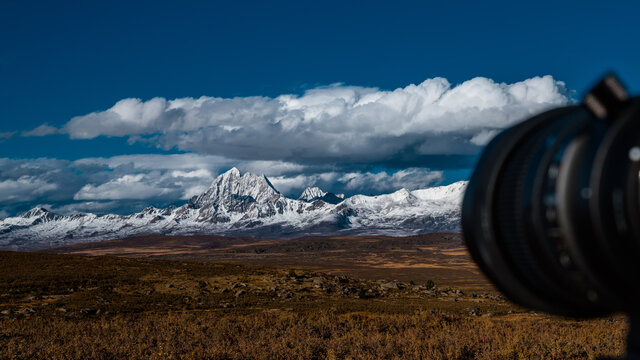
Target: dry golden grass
82,307
319,335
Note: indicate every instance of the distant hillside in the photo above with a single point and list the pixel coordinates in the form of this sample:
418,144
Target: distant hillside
247,204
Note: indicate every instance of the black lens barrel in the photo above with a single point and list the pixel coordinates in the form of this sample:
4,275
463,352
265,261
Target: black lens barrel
551,213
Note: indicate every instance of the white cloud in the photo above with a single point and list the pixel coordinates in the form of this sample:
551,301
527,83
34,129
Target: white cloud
336,137
483,137
191,162
41,130
160,161
334,123
168,185
413,178
291,184
24,188
360,182
193,190
199,173
126,187
86,206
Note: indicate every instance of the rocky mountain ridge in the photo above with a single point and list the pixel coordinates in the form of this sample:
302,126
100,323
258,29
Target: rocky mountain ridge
249,205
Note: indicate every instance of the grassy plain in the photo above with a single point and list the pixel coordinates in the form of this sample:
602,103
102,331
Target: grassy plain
235,302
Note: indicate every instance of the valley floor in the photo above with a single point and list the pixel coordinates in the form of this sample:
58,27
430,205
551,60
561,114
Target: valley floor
61,306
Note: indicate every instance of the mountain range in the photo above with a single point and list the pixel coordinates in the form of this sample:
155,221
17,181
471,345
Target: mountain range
248,205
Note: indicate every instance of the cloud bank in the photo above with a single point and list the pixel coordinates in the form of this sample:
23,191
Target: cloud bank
347,124
344,139
42,130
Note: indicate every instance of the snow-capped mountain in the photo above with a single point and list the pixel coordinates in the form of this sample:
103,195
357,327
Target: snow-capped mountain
312,193
247,204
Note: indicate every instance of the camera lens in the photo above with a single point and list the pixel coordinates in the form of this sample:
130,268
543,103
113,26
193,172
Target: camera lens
552,212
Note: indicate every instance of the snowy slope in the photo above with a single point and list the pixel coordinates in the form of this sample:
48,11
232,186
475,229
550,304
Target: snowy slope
312,193
247,204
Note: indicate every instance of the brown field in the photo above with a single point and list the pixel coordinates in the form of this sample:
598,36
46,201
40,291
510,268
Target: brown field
244,298
442,257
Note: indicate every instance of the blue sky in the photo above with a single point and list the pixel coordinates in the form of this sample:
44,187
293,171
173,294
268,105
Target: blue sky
65,60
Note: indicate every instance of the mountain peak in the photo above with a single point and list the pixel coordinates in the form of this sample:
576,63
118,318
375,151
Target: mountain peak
35,212
450,192
233,172
232,185
312,193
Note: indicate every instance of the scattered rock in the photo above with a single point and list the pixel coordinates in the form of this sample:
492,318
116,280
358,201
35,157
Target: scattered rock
391,285
348,290
341,279
474,312
62,310
26,311
87,311
5,312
